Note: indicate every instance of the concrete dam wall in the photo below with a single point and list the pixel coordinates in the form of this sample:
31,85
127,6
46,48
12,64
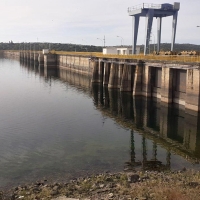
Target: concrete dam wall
169,82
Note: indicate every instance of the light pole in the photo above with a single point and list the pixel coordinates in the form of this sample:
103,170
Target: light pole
101,40
121,40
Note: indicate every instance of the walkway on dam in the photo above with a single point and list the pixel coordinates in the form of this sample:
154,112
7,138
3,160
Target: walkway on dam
150,57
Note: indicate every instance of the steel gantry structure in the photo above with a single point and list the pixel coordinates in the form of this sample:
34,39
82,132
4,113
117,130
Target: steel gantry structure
149,11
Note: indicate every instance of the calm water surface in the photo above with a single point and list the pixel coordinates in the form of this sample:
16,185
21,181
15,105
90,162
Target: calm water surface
57,125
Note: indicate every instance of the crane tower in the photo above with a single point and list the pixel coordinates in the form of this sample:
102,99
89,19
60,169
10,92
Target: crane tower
149,11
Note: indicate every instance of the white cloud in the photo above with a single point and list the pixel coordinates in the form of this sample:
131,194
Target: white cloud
78,21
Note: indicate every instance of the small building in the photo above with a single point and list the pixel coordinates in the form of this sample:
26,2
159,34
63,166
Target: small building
45,51
120,50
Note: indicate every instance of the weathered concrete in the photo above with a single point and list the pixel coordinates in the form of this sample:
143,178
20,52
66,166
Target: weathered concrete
50,61
166,85
127,78
36,55
137,87
146,81
81,65
106,76
113,79
32,57
120,73
192,98
95,74
170,83
41,59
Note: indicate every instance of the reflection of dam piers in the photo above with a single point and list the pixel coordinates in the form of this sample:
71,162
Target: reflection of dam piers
168,81
145,163
170,127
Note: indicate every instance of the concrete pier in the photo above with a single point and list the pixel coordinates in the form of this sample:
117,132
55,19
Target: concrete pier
106,75
127,78
165,106
41,59
95,74
35,58
168,82
113,79
50,61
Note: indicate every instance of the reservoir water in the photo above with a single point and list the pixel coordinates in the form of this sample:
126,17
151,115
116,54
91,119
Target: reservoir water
56,125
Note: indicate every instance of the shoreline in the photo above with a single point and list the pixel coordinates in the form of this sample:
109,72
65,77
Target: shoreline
140,185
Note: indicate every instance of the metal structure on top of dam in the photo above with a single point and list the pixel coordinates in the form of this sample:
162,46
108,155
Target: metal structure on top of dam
149,11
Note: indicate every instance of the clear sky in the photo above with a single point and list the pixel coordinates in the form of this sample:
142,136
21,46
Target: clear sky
83,21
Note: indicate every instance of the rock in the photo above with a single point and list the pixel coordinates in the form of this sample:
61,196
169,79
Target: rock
102,190
55,188
28,193
193,184
133,178
94,186
36,189
39,183
184,169
18,188
152,195
110,185
101,185
145,178
54,192
109,179
77,187
64,198
110,195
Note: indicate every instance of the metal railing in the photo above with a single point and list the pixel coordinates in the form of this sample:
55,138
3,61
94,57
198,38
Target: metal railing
145,5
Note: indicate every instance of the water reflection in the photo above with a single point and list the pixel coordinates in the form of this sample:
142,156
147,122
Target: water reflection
55,123
168,126
173,128
147,164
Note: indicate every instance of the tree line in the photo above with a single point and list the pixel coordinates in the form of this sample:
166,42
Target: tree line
38,46
88,48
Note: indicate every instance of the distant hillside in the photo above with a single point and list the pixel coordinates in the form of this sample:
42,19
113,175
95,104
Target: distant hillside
90,48
53,46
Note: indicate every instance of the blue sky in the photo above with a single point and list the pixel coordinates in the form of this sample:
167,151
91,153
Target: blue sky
83,21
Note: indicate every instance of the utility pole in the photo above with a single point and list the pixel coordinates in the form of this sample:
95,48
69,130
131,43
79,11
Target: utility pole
104,39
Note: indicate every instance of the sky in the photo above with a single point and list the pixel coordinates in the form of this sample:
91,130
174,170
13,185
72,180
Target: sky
83,21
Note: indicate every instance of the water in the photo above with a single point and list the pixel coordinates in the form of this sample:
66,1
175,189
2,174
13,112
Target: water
57,125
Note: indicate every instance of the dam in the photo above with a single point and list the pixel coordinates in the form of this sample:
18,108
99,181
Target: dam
168,80
58,123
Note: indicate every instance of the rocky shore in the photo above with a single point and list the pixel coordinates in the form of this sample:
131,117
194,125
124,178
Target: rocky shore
140,185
